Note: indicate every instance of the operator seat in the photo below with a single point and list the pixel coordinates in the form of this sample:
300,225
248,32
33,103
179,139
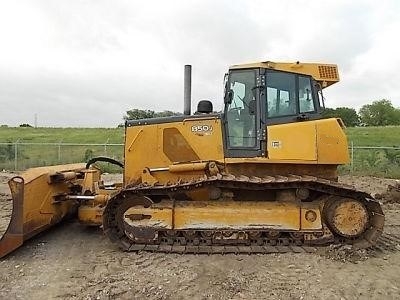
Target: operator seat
204,107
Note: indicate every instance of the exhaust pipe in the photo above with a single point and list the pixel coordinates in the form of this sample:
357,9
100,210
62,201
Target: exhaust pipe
187,90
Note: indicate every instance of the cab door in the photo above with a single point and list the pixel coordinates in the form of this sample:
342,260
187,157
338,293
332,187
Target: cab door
243,133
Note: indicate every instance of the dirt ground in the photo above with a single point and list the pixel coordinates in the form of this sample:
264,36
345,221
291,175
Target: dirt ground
74,262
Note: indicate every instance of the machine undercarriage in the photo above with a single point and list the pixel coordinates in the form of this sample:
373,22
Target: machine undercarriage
300,211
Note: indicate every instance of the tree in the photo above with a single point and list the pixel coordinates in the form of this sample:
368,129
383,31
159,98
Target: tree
136,114
348,115
380,113
329,113
166,113
25,125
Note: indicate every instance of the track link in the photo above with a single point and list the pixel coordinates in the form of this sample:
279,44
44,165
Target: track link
177,248
113,229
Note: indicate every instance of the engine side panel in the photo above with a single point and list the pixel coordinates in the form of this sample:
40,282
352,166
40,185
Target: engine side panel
156,146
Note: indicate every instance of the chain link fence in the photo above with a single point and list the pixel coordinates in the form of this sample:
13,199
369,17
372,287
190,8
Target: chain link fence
373,160
17,156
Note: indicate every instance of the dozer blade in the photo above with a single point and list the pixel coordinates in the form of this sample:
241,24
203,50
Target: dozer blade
35,205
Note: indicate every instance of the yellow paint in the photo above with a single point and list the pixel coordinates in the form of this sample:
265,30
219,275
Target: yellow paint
147,150
90,215
316,142
134,139
201,166
90,182
38,193
308,225
39,206
292,141
161,216
263,160
236,215
332,142
32,174
232,215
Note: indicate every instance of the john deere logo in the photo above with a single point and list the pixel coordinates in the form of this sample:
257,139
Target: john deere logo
276,144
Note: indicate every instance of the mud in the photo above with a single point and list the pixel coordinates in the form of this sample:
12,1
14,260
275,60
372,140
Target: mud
74,262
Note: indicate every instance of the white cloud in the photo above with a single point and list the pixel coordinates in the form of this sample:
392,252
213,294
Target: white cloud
84,63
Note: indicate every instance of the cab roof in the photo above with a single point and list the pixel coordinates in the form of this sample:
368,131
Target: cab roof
325,74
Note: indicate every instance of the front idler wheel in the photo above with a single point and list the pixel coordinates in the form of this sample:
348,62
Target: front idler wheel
346,217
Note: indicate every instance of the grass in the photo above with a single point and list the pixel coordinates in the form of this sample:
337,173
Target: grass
366,162
65,135
375,162
374,136
43,155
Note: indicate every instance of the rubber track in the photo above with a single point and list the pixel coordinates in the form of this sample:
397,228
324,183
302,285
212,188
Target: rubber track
229,181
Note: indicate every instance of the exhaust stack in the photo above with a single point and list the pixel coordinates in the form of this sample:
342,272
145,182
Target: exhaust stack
187,90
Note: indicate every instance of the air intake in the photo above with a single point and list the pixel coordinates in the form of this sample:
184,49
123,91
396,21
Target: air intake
328,72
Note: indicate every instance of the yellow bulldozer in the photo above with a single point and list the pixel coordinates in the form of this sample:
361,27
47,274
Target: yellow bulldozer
260,175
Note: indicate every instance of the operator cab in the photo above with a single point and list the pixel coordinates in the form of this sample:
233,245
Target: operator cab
256,97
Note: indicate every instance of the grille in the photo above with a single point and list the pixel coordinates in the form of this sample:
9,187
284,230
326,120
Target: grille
328,72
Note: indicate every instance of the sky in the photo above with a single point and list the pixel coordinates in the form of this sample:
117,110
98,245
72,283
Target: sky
85,63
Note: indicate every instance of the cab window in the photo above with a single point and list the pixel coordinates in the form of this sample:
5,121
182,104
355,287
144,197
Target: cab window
306,102
281,95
